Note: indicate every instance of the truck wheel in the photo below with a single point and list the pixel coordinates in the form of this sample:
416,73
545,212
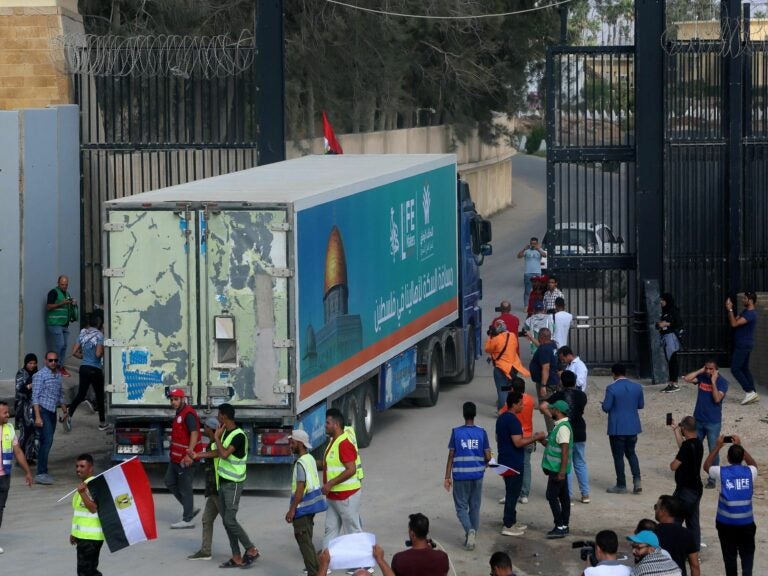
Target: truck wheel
366,405
352,414
434,382
469,371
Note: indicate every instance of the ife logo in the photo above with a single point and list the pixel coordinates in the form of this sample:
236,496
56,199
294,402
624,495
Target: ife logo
425,202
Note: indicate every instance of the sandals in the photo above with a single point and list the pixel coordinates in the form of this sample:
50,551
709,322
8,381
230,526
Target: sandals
248,561
231,564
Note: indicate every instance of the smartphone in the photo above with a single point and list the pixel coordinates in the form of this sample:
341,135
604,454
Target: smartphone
669,418
728,439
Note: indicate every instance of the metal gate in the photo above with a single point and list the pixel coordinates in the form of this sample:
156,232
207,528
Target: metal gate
716,177
154,116
590,194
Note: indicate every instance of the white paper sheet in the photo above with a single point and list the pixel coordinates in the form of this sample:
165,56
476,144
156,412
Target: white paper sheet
500,469
352,551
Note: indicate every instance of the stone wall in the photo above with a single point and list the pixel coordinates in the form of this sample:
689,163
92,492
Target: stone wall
487,169
30,76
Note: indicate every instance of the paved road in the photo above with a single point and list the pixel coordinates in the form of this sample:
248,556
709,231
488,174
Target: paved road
404,471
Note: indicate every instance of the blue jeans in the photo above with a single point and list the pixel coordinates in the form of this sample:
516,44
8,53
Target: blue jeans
710,431
528,286
57,341
467,495
740,368
513,485
580,468
46,439
501,380
622,446
526,490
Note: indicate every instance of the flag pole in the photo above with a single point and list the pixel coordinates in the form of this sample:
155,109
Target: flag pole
97,475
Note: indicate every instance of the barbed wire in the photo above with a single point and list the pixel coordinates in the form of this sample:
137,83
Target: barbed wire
726,37
162,55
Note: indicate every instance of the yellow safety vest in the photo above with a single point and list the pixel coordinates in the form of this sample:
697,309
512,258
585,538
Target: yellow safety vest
358,462
334,466
85,524
232,468
7,433
313,500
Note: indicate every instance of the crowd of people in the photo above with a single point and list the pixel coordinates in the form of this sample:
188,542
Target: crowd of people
668,544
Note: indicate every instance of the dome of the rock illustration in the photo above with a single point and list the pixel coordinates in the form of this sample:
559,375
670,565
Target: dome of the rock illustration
335,262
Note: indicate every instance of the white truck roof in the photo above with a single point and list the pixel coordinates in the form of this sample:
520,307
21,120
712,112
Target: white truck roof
304,181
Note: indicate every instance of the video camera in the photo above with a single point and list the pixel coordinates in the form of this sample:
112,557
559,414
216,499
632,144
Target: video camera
587,551
409,543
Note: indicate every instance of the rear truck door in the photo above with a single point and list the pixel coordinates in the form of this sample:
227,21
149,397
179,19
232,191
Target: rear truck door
152,296
244,280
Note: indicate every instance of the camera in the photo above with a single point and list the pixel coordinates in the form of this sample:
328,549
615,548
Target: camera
587,551
409,543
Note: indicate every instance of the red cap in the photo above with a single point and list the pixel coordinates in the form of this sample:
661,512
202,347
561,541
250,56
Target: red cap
177,393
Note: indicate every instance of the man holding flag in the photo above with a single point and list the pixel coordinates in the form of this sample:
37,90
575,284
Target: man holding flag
86,533
511,445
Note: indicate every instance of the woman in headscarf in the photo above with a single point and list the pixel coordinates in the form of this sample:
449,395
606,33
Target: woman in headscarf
670,326
25,416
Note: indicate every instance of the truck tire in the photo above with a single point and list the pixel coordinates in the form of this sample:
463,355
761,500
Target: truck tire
352,413
366,405
469,370
434,381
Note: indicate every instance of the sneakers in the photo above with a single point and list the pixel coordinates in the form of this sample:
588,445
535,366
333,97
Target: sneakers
45,479
557,532
182,524
671,387
103,426
750,398
616,490
585,499
200,555
1,550
518,526
470,543
502,500
637,489
511,531
523,500
90,405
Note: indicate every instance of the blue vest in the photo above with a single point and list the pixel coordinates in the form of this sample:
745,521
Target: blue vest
468,456
6,447
735,504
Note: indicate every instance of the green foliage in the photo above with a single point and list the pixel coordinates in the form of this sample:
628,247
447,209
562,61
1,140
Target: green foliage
372,71
533,142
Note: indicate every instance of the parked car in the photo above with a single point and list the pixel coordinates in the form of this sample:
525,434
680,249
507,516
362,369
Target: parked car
582,238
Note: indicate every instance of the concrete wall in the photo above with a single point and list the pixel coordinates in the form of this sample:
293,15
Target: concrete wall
487,169
39,226
31,74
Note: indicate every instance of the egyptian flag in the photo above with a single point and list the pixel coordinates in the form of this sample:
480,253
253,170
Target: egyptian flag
332,145
126,507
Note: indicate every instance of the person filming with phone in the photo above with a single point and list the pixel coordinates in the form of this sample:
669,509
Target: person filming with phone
735,521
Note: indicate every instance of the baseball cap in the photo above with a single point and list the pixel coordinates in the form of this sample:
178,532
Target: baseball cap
645,537
560,405
177,393
212,422
301,436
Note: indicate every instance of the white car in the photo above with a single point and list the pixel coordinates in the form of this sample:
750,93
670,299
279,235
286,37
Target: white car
582,238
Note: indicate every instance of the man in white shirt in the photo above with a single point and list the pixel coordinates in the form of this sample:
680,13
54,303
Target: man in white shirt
575,365
563,321
606,547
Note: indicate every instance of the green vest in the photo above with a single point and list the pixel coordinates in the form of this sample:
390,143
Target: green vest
58,316
358,462
85,524
334,466
232,468
552,454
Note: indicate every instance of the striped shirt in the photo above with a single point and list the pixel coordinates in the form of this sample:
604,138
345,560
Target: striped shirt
47,391
656,564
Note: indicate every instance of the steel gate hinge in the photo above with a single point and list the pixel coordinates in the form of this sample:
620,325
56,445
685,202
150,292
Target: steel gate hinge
113,272
114,226
280,272
280,227
283,343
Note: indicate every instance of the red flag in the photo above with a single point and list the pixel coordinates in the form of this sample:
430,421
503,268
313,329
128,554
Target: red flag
332,145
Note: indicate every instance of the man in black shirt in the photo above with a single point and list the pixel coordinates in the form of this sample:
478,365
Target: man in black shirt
577,401
687,468
673,538
543,369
